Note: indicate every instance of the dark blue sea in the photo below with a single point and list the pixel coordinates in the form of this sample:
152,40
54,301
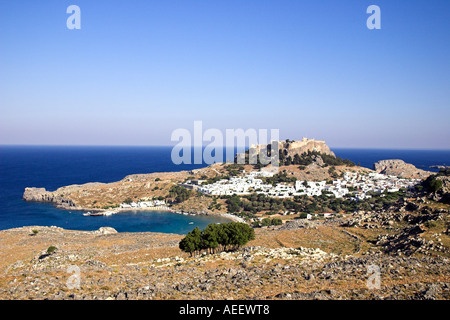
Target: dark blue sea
52,167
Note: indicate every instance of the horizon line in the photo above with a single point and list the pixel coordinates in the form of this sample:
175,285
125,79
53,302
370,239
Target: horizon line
229,146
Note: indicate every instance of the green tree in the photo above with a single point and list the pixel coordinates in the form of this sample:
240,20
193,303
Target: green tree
187,245
234,204
179,193
210,237
192,242
227,236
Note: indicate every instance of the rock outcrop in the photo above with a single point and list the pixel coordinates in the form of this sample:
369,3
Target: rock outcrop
42,195
37,195
443,193
400,168
105,231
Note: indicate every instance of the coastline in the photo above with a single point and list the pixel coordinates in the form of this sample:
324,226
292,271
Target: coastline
108,212
97,199
192,213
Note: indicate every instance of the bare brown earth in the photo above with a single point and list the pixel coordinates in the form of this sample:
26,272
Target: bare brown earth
321,259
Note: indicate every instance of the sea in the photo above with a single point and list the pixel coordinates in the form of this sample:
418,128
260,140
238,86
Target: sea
52,167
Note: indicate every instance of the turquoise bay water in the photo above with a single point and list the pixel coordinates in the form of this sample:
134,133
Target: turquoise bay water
136,221
54,167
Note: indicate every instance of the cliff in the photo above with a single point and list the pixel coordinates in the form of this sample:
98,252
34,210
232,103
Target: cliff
42,195
399,168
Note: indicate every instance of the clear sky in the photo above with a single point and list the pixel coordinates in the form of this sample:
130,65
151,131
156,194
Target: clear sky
137,70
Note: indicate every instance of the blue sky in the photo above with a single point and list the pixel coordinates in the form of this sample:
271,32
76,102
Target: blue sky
137,70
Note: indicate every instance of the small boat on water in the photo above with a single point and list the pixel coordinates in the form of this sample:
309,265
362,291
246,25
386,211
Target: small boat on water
191,223
90,214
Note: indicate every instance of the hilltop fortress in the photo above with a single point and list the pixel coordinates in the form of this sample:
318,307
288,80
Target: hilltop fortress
299,147
305,145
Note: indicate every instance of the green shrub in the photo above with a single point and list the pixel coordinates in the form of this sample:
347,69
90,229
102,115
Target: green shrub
277,222
435,185
303,215
431,224
128,200
51,249
180,194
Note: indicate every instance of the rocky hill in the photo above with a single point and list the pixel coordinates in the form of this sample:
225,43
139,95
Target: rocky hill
291,148
400,168
305,145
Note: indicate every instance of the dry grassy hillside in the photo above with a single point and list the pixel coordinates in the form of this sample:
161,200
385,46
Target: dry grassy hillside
323,259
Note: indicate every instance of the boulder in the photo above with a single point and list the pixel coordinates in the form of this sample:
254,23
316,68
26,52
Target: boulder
106,230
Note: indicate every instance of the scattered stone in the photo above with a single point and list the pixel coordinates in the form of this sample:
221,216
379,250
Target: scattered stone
105,231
